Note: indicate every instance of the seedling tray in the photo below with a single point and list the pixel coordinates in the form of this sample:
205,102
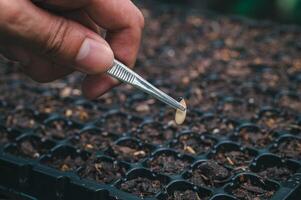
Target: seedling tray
241,138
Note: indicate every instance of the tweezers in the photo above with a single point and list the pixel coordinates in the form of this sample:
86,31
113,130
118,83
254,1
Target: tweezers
124,74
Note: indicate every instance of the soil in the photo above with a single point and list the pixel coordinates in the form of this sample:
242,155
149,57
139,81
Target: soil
103,171
3,137
255,138
218,126
248,191
142,187
81,114
143,106
289,148
234,159
128,151
57,130
193,144
277,122
276,173
155,133
198,98
21,119
30,148
290,103
93,140
116,123
167,164
252,95
210,174
233,110
48,104
68,163
185,195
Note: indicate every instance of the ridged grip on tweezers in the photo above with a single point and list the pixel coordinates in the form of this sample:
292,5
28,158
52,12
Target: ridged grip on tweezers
121,73
125,74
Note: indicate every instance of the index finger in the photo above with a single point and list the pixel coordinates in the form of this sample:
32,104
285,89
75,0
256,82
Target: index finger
124,23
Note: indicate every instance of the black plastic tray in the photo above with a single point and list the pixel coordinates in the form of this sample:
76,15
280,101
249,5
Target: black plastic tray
31,178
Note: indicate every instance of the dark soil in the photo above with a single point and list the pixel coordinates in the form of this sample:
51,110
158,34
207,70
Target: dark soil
128,151
81,114
291,103
276,173
3,137
144,106
185,195
255,138
217,126
289,148
93,140
29,148
210,174
233,110
142,187
167,164
68,163
248,191
193,144
57,130
234,159
116,123
155,133
21,119
103,171
276,122
47,104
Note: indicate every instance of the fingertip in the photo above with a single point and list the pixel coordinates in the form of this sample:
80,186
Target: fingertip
94,57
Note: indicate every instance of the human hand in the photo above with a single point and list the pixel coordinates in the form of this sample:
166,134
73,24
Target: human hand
53,38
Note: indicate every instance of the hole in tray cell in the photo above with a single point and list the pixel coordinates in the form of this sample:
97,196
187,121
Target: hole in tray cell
288,147
66,159
208,173
58,129
155,133
233,156
93,139
103,170
143,183
193,144
30,147
168,162
129,150
248,187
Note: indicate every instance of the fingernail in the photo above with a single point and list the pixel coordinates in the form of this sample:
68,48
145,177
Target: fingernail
94,57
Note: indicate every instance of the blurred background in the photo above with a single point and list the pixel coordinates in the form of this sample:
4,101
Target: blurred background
284,11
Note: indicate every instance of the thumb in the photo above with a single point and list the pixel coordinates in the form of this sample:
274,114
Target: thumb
64,41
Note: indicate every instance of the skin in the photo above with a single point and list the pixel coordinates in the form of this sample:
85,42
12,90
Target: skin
53,38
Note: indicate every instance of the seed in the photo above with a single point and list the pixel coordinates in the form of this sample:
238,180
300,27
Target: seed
143,108
65,167
68,113
139,153
189,149
89,146
230,161
180,115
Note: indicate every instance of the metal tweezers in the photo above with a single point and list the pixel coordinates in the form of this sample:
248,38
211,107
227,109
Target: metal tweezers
126,75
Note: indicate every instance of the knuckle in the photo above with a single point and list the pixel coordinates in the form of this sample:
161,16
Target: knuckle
55,39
